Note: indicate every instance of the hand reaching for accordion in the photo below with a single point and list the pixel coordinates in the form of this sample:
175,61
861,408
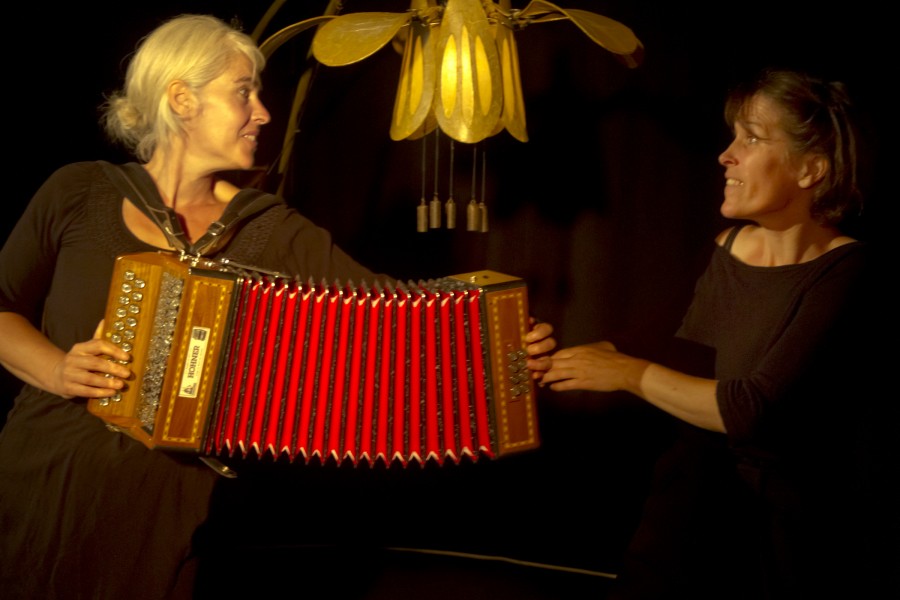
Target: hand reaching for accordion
540,344
599,367
594,367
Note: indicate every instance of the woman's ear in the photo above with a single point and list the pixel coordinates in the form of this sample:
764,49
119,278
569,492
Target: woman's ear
181,99
813,170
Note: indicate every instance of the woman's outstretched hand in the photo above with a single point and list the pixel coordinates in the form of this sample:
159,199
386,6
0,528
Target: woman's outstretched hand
594,367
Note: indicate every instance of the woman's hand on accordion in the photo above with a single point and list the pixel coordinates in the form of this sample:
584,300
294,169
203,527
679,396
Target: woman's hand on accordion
92,369
595,367
87,370
540,343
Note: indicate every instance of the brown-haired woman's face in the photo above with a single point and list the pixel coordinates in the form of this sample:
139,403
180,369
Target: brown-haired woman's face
763,178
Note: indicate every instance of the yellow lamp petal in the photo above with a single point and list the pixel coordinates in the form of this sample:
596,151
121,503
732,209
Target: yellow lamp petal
513,115
415,91
468,100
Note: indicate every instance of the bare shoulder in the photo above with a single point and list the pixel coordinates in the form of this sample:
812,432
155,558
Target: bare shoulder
841,240
743,232
225,191
723,235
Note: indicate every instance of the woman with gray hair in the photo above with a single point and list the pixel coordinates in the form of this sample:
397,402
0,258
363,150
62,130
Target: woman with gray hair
86,512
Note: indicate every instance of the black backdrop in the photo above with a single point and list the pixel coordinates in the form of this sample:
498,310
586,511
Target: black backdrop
608,211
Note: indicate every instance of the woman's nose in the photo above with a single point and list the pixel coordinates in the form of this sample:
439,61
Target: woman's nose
261,114
726,158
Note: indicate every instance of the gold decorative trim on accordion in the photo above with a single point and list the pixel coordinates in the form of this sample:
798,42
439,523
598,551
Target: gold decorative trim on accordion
229,360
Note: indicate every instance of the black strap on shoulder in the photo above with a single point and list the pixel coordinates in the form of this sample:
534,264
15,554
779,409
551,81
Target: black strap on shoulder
731,235
245,204
135,183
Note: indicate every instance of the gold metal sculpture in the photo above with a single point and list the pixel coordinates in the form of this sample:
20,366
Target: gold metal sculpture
459,75
460,67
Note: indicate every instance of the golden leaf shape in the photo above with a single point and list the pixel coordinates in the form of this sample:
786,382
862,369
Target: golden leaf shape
351,38
609,33
277,39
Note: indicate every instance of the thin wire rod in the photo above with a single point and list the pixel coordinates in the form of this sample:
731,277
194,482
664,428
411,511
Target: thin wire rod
473,220
422,209
483,225
434,216
450,205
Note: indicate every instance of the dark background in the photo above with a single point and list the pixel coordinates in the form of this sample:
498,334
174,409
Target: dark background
608,212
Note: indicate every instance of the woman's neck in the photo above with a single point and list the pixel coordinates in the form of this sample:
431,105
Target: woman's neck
179,186
793,245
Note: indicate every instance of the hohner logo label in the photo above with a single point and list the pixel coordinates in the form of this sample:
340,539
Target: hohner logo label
193,364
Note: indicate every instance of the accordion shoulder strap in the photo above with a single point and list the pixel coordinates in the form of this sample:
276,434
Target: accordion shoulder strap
133,181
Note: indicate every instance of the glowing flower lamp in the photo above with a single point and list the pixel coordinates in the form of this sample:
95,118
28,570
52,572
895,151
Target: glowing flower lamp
460,69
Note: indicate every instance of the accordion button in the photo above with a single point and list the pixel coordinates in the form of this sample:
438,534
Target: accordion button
519,390
518,378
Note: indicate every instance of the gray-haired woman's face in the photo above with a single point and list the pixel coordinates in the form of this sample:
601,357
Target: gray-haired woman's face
223,125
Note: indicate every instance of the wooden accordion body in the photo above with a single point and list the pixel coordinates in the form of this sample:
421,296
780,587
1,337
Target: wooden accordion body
228,360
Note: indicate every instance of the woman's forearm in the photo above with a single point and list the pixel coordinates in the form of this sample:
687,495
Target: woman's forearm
26,352
599,367
691,399
91,369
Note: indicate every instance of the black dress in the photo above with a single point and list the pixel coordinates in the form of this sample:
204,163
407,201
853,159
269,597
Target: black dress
783,506
85,512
